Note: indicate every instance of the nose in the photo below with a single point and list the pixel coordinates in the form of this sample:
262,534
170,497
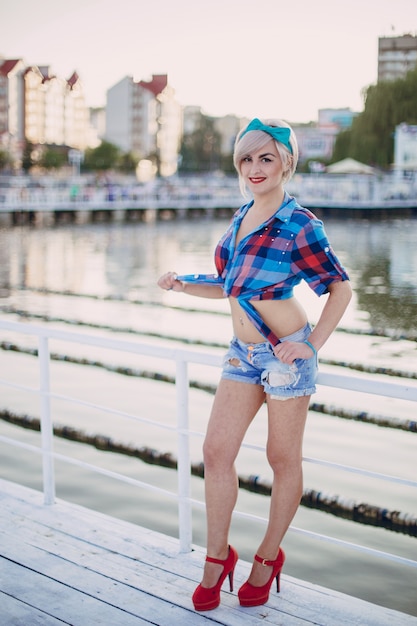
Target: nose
255,167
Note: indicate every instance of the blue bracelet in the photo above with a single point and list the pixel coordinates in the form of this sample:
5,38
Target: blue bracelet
310,345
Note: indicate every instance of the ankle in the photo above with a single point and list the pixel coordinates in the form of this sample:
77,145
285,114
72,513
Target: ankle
265,561
220,555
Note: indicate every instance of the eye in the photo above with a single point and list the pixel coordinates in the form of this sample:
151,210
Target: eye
267,160
246,159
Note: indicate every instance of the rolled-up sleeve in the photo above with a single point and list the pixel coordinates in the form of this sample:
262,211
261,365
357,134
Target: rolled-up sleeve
314,260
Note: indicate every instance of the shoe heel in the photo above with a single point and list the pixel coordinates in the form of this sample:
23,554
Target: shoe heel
231,574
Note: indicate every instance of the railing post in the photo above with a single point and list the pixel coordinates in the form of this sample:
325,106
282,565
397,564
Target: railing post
184,464
46,424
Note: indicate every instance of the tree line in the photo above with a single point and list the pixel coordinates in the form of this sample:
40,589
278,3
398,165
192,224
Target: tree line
387,104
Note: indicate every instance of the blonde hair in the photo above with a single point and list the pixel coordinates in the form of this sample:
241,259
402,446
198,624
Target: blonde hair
248,142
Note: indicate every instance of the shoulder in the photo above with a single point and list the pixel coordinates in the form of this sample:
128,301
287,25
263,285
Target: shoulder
299,219
301,214
304,219
292,213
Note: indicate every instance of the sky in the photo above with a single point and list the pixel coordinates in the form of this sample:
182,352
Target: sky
250,58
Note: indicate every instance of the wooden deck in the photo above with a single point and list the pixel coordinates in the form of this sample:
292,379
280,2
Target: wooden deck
66,564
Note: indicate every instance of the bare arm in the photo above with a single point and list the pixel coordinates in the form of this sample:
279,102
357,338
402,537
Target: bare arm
169,281
340,293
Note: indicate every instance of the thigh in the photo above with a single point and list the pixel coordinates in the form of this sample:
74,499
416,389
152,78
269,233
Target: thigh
235,405
286,423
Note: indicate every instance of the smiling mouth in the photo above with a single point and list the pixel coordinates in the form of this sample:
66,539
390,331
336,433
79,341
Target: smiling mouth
255,181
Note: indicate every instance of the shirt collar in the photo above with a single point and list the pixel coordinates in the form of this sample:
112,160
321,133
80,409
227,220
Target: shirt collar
284,213
286,209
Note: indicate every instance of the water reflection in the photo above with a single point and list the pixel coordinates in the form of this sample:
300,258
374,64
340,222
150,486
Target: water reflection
390,303
124,260
382,260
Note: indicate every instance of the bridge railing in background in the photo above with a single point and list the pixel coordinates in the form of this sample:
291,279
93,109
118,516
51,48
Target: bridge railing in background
311,190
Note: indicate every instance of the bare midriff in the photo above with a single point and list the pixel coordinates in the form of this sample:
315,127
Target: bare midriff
283,317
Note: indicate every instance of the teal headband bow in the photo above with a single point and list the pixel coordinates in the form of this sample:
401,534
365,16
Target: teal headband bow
278,133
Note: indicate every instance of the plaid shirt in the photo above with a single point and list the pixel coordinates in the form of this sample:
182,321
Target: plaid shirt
267,264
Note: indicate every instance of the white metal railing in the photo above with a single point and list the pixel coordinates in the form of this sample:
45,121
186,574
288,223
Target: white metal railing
181,357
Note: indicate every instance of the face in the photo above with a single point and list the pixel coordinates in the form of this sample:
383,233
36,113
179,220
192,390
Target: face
262,170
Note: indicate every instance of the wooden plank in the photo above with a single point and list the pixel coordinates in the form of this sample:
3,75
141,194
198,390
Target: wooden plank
140,589
17,613
267,614
136,572
76,596
146,568
148,573
57,600
147,577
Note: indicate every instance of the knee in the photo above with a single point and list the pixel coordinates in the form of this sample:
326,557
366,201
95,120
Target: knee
209,454
285,462
216,456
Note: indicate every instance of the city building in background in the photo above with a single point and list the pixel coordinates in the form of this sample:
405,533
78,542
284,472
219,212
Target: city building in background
405,151
191,119
40,108
228,127
32,128
316,141
396,56
54,109
96,127
143,118
225,128
77,114
336,119
10,106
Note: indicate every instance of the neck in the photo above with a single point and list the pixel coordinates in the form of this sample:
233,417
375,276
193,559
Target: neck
269,203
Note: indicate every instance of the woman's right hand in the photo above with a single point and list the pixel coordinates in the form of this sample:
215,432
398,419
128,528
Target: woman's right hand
169,281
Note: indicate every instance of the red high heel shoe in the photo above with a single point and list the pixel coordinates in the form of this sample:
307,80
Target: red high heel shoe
249,595
207,598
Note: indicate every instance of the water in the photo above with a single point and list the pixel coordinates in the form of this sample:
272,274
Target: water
104,276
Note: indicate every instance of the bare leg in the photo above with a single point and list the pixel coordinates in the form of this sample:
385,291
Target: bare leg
235,405
286,421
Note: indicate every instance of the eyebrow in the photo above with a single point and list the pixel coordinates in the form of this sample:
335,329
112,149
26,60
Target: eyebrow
261,156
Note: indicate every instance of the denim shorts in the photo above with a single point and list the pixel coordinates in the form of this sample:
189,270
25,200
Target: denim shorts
256,363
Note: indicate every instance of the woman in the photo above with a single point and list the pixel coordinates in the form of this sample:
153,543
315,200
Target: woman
271,245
